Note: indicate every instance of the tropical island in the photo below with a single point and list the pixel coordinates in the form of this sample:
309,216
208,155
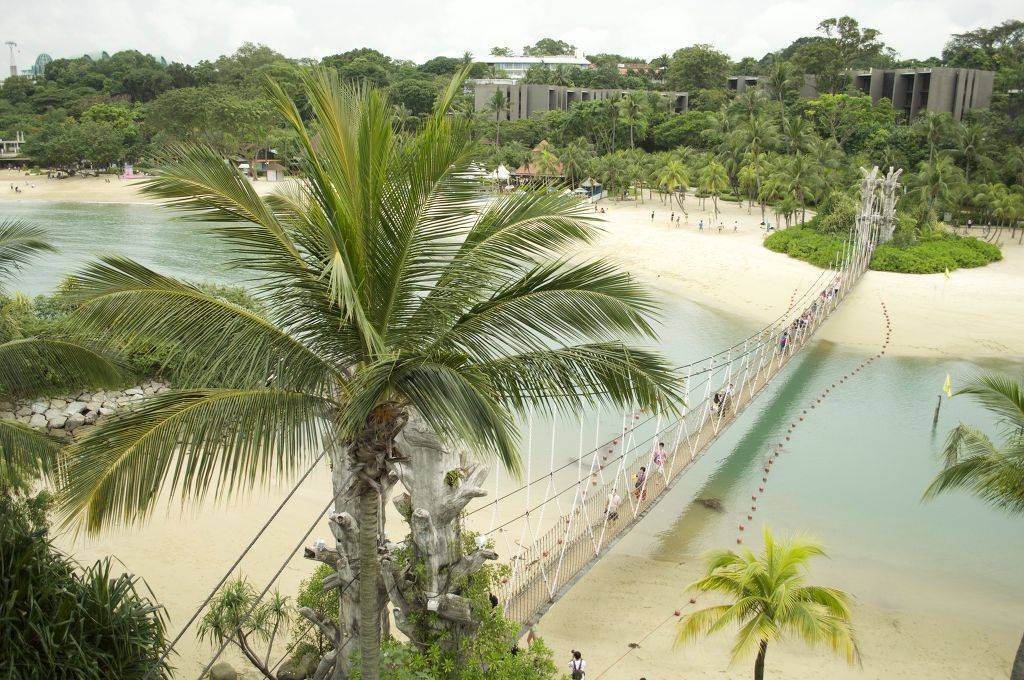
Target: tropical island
531,360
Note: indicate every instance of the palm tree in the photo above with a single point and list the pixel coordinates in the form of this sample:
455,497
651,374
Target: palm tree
633,109
1015,163
770,600
499,104
674,177
576,158
781,82
713,180
31,365
934,179
970,146
798,134
389,293
992,472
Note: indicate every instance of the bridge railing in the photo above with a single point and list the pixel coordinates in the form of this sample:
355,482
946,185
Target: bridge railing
547,558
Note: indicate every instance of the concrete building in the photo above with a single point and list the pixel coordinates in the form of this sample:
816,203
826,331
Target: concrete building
515,67
740,84
526,100
911,90
935,89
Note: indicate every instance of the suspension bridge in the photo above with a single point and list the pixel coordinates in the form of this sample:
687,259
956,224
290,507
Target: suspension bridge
573,513
565,526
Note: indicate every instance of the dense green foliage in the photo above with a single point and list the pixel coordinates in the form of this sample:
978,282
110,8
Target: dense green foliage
52,316
914,249
58,620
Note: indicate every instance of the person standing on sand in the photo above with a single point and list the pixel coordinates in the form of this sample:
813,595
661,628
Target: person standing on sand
700,225
577,666
652,216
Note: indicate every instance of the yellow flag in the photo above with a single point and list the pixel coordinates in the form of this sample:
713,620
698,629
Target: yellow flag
947,388
947,273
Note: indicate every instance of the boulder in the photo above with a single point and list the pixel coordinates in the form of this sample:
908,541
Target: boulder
56,422
132,391
6,406
24,410
75,407
123,401
106,411
93,406
91,417
163,388
149,390
299,668
59,404
25,419
136,397
222,670
74,421
7,415
52,413
110,403
40,407
37,420
58,433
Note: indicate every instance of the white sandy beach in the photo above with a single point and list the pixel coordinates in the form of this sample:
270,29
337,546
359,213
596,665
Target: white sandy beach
975,313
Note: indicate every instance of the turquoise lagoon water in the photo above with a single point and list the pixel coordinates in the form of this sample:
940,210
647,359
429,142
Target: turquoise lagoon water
853,476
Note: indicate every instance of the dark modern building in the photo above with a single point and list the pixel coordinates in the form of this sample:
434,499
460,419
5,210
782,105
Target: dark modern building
526,100
911,90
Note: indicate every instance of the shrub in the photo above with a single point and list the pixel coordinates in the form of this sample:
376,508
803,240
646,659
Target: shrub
60,621
932,256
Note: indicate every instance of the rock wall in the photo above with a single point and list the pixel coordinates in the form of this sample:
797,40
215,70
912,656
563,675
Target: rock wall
62,416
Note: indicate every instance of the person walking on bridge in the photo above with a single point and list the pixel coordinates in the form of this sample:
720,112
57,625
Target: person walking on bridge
577,666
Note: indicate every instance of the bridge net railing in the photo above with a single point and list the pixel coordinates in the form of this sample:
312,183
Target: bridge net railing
557,537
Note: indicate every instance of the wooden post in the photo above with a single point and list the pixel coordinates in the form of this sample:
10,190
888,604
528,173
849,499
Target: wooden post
935,418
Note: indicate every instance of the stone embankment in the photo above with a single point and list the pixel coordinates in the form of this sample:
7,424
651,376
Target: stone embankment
62,416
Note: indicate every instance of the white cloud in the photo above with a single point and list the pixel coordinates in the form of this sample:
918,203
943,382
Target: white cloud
191,30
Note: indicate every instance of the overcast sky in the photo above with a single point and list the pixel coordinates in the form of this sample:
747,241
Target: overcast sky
192,30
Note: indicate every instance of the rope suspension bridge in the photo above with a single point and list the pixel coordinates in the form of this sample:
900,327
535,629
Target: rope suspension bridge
573,513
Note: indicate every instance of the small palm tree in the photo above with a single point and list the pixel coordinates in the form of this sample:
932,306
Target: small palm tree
33,365
992,472
769,601
237,616
634,109
389,292
499,104
674,179
713,179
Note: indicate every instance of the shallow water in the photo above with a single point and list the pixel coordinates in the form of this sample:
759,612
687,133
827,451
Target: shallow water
853,476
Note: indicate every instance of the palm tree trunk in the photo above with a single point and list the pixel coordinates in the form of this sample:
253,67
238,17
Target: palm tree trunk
369,612
1017,672
759,663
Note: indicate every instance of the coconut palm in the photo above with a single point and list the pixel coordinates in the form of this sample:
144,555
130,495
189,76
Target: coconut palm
934,179
389,293
769,601
499,104
634,109
674,180
992,472
1015,163
713,180
32,365
802,175
576,158
781,81
970,147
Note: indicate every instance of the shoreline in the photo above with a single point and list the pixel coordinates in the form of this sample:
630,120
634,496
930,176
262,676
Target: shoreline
974,313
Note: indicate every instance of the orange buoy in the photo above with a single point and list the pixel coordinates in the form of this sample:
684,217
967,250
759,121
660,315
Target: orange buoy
739,540
753,498
761,489
753,507
741,527
750,517
677,613
693,600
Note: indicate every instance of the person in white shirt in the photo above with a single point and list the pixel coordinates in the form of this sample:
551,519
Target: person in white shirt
614,501
577,666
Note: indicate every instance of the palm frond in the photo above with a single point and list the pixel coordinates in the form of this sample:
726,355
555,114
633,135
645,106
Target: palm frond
207,335
30,366
187,442
571,377
20,243
1001,395
25,454
197,181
